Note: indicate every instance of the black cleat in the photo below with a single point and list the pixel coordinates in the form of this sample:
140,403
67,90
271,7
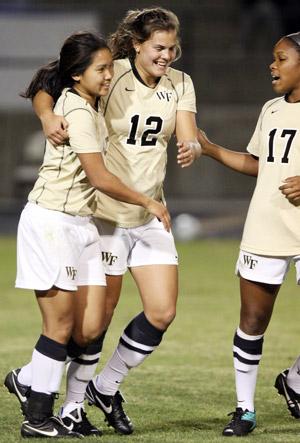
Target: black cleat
291,397
112,408
77,421
241,424
20,391
51,427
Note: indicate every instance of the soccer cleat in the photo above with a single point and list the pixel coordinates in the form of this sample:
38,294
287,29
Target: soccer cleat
242,423
112,408
51,427
77,421
20,391
291,397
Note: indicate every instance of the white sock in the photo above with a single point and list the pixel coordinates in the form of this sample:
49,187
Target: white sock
112,375
139,339
47,363
70,407
25,375
78,375
247,352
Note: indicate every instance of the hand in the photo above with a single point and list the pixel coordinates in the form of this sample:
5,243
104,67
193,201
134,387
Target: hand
55,128
203,140
188,152
160,211
291,189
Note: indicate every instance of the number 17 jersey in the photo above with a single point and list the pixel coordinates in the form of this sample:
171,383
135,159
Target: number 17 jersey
140,121
273,223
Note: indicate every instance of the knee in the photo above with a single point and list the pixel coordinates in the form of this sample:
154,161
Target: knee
162,319
88,336
254,323
60,332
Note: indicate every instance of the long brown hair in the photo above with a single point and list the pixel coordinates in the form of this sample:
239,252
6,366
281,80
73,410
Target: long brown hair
137,26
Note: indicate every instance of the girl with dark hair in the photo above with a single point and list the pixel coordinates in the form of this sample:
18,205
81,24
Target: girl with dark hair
148,101
271,238
58,243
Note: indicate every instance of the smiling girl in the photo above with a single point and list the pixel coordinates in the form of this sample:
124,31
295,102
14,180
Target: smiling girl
271,238
58,243
148,101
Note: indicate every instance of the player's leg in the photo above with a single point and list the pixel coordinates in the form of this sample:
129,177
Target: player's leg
88,334
47,364
158,287
260,281
287,382
257,301
110,405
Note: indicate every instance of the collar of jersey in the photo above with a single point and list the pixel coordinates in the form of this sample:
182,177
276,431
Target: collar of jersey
137,75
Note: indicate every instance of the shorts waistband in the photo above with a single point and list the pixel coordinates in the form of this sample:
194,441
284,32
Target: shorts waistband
40,211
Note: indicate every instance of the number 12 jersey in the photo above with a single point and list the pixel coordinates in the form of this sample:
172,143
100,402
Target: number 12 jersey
140,121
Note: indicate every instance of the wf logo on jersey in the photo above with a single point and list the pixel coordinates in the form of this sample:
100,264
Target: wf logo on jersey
71,272
248,261
108,258
164,95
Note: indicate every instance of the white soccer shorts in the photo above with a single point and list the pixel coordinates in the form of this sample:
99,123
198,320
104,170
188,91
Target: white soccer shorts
57,249
266,269
123,248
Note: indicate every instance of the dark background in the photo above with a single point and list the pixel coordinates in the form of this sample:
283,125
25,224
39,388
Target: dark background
227,48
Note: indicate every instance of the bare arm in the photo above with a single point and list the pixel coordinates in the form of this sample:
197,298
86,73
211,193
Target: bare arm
54,126
238,161
186,133
106,182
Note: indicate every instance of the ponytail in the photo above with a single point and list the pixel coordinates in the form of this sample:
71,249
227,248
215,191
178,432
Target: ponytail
47,78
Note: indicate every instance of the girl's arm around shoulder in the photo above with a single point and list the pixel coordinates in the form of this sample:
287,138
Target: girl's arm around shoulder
54,126
238,161
103,180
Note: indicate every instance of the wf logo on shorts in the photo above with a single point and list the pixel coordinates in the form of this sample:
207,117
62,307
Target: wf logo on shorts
71,272
108,258
248,261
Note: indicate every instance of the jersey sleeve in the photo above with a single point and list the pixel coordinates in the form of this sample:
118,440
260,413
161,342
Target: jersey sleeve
187,96
83,136
254,143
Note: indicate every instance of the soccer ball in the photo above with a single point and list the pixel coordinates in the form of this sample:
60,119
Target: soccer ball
186,227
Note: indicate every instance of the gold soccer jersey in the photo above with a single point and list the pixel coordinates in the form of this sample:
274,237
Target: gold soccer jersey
62,184
273,224
140,122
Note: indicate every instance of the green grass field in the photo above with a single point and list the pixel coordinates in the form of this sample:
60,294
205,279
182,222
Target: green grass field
184,391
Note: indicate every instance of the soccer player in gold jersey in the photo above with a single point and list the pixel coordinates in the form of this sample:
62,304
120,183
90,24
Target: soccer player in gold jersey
58,242
271,238
148,101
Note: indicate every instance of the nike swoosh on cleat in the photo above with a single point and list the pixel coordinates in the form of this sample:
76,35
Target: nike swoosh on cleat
53,433
70,427
108,410
21,397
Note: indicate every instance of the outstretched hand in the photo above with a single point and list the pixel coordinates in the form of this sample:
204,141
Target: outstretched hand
188,152
291,189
